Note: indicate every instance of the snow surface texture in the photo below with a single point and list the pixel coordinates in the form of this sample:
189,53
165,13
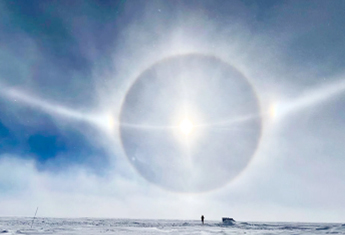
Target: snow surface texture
125,226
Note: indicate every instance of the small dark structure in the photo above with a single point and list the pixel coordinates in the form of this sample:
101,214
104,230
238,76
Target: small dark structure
227,220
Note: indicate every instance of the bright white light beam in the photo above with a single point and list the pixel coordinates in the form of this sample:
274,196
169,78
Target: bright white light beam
310,98
52,109
230,121
99,120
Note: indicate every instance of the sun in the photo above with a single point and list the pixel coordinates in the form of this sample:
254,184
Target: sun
186,126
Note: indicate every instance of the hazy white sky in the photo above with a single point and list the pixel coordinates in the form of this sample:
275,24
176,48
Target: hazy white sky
93,94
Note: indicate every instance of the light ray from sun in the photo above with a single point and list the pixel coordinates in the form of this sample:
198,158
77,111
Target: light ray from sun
309,98
277,111
145,126
101,120
47,107
231,128
230,121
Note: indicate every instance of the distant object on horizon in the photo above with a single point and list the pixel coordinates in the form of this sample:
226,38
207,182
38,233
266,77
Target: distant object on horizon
227,220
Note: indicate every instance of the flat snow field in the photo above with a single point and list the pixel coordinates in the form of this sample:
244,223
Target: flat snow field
20,225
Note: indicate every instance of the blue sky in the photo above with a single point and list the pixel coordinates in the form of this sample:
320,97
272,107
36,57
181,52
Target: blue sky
95,97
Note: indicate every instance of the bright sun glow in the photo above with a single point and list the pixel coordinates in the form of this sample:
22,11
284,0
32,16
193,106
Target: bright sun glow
186,126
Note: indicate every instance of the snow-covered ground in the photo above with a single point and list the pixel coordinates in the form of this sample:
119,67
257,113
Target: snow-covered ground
125,226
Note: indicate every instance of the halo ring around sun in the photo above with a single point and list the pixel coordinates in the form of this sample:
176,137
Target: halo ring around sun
214,103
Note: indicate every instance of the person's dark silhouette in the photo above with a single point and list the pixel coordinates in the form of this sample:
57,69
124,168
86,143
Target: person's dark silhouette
202,219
